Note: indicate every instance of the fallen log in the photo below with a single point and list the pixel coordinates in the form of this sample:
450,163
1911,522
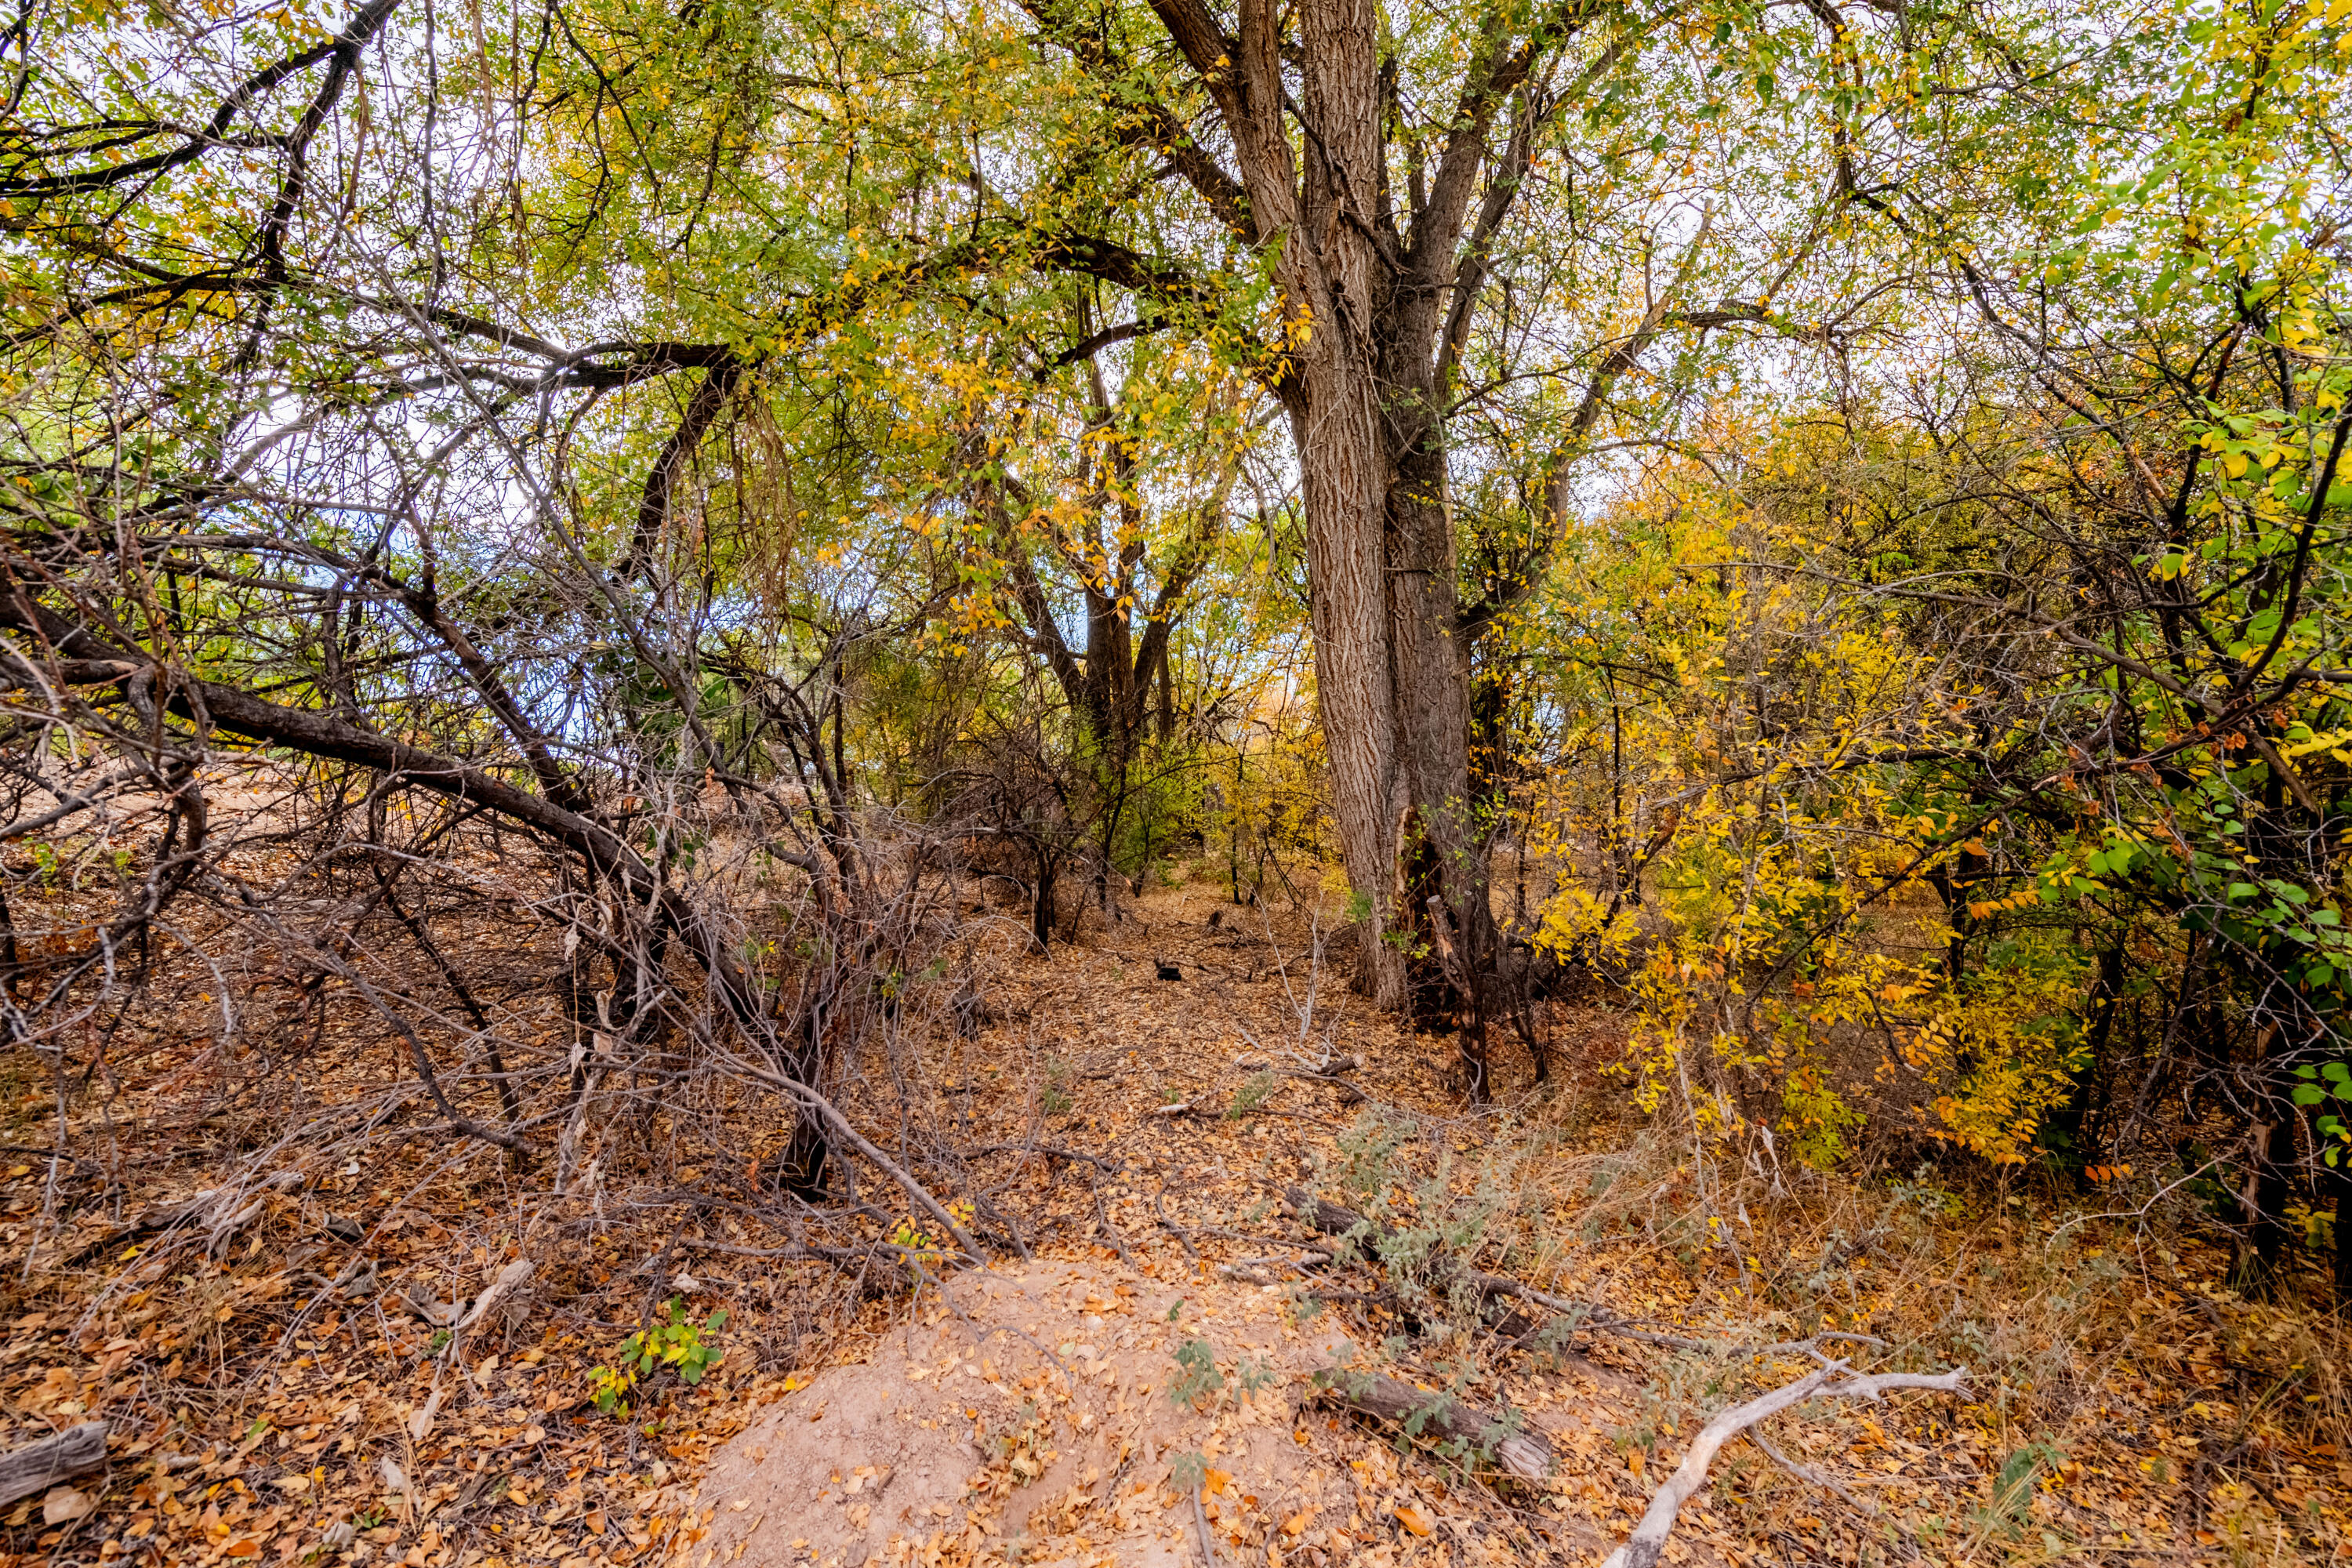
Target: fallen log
37,1467
1338,1219
1519,1450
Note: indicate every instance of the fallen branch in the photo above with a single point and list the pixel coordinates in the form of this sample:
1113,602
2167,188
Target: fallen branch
40,1466
1338,1219
1642,1548
1160,1207
810,1100
1200,1524
1807,1473
1520,1451
219,1212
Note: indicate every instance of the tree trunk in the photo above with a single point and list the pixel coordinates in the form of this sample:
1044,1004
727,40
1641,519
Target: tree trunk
2262,1199
1446,856
1375,300
1342,464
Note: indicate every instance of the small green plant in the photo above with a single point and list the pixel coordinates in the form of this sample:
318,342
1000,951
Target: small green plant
1250,1096
1200,1377
925,1251
1368,1149
1923,1192
2336,1078
2012,1490
677,1341
1056,1099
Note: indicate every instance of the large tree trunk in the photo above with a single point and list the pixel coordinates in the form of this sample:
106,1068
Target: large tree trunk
1342,464
1367,301
1329,275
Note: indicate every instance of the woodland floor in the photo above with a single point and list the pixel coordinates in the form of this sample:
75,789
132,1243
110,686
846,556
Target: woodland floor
2125,1408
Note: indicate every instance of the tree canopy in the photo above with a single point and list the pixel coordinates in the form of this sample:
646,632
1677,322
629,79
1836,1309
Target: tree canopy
1830,519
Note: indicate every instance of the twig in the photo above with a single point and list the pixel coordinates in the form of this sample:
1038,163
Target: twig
1201,1521
1169,1226
811,1099
1102,1219
1805,1472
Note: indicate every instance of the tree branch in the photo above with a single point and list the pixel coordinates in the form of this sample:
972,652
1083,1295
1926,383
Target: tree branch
1643,1547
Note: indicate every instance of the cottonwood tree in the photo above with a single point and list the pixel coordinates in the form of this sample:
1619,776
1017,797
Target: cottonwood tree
1385,171
1451,243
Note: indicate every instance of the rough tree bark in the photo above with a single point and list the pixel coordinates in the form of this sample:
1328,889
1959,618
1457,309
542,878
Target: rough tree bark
1377,301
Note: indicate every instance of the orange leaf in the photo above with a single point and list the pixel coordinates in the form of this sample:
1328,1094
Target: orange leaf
1413,1518
1216,1481
248,1547
1635,1462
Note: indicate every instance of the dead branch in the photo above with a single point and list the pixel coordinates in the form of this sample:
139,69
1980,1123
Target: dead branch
1642,1548
1338,1219
40,1466
1519,1450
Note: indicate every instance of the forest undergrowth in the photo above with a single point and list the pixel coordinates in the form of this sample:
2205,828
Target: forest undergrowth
318,1328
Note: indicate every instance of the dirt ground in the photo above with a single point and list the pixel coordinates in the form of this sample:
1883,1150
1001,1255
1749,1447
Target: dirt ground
1042,1415
289,1396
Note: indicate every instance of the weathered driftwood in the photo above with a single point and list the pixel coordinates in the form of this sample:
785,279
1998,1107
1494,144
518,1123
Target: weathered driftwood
37,1467
1521,1451
1643,1547
1396,1401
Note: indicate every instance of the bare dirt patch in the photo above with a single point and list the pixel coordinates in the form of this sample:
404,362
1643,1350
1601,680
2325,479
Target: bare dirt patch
1042,1417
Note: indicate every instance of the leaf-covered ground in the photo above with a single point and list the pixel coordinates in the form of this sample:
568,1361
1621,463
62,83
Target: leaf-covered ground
278,1386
